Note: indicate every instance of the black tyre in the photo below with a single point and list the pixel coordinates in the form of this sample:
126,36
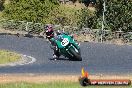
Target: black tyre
76,56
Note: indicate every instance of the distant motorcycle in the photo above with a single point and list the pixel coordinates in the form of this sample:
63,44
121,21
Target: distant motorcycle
68,47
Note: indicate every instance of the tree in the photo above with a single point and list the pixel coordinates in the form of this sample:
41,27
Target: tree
87,19
30,10
1,4
119,15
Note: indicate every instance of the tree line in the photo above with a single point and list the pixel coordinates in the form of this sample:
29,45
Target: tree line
118,14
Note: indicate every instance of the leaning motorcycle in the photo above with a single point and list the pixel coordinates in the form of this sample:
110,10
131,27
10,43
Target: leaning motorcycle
68,47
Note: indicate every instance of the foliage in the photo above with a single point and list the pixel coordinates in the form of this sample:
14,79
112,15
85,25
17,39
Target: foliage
119,15
30,10
65,16
42,11
87,18
22,26
1,4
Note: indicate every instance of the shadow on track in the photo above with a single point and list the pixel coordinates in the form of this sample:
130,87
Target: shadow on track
65,59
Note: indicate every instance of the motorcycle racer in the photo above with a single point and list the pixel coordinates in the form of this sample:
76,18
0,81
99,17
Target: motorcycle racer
49,35
52,36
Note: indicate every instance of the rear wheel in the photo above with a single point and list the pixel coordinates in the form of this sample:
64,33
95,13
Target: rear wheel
76,56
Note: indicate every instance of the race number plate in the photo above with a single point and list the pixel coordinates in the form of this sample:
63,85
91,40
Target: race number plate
65,42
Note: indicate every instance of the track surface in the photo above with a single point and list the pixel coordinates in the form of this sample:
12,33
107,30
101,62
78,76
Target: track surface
97,58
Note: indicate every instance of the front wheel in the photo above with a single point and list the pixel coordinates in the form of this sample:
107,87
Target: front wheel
76,56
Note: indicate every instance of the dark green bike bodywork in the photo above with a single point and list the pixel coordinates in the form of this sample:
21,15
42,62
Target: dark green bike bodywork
68,47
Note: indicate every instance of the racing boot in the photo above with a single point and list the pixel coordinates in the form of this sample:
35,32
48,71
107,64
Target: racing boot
55,57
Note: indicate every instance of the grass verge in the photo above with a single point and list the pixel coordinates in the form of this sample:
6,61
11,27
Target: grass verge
7,56
53,85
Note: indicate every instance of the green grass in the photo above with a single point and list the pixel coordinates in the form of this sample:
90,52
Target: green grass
53,85
7,56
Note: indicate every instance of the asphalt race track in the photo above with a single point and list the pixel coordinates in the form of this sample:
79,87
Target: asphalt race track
97,57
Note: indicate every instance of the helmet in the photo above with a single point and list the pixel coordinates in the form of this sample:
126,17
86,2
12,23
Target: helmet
49,31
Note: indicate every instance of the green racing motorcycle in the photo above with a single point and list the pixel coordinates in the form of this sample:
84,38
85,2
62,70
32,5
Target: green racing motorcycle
68,47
